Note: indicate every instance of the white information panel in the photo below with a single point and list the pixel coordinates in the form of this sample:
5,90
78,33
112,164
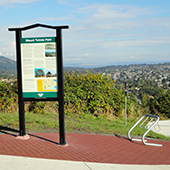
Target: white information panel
39,70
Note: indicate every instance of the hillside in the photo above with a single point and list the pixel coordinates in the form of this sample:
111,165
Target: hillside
7,64
7,68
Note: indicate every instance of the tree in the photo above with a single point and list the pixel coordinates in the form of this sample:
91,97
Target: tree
145,99
161,103
39,73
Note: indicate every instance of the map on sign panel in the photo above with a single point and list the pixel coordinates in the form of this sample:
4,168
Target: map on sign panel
49,84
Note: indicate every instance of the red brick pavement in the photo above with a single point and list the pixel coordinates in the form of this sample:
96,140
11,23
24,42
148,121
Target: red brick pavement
86,147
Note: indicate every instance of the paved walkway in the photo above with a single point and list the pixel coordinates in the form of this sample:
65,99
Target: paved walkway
26,163
164,128
84,151
86,148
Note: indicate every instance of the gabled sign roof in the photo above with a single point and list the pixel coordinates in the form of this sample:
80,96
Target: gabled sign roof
38,25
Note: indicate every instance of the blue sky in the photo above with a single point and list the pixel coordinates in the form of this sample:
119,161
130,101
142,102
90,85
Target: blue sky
101,32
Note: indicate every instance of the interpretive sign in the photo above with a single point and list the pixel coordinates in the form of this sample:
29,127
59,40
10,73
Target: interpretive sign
39,67
40,72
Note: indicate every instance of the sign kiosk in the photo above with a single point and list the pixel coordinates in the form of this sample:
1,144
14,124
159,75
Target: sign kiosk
40,72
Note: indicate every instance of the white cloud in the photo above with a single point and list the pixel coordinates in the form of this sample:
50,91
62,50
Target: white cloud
7,43
88,65
69,2
8,50
64,2
86,55
7,2
135,58
77,58
74,59
135,43
120,17
108,11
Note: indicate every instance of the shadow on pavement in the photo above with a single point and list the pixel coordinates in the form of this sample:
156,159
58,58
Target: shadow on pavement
8,130
39,137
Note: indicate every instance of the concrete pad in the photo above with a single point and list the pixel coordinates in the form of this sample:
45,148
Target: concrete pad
25,137
20,163
164,128
96,166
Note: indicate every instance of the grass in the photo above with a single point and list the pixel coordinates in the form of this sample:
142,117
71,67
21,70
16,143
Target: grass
74,123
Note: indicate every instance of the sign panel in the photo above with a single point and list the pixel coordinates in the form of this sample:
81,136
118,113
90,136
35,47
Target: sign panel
39,68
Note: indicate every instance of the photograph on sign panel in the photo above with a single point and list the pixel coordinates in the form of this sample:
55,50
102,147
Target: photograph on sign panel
50,50
39,72
51,73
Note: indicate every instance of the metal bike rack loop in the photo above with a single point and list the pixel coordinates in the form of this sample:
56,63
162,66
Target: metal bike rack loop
148,126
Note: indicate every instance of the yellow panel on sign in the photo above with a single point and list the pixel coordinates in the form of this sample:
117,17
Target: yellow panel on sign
40,85
46,85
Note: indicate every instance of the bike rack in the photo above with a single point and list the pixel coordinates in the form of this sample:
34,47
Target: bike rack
148,126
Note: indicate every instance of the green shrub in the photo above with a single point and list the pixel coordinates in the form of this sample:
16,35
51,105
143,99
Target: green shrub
91,93
8,97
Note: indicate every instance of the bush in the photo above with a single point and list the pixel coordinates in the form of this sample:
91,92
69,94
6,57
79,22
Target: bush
91,93
8,97
160,103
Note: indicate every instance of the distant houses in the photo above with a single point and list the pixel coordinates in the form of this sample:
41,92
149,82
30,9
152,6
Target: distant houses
8,80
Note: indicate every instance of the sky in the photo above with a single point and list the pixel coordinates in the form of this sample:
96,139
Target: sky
101,32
